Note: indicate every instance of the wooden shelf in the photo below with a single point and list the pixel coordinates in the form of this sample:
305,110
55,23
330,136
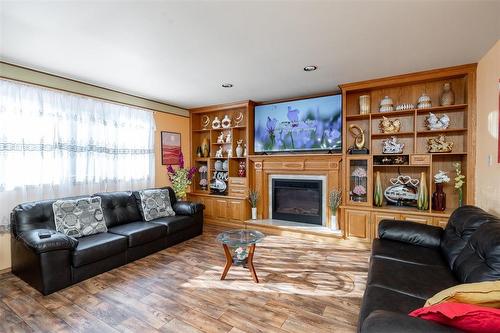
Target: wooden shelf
202,130
357,116
386,135
448,130
201,159
393,113
448,108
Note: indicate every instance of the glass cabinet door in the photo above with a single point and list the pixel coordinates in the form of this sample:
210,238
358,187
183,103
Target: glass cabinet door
358,181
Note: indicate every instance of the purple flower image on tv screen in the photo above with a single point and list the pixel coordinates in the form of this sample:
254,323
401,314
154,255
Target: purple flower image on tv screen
308,124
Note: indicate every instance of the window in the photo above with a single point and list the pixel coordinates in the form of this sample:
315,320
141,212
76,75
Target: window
55,144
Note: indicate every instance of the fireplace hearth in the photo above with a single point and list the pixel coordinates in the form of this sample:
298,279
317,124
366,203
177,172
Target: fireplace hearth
298,200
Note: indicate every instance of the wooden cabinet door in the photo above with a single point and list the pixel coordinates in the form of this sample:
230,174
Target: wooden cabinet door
379,216
221,208
237,210
440,222
416,218
357,224
209,207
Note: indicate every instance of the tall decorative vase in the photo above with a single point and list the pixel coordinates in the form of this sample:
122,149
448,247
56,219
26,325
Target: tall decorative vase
448,96
364,104
254,213
333,222
439,198
378,196
423,195
460,197
205,147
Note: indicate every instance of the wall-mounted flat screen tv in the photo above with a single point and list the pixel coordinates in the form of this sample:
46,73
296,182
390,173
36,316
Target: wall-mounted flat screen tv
310,124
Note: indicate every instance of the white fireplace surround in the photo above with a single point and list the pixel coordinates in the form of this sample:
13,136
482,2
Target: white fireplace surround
324,193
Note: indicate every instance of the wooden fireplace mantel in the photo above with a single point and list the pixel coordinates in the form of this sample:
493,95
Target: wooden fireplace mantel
262,166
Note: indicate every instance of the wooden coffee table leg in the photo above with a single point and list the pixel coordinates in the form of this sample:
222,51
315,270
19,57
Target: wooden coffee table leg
250,263
229,261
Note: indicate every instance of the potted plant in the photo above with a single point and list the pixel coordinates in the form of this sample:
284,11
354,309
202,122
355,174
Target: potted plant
334,203
180,178
439,197
252,198
459,183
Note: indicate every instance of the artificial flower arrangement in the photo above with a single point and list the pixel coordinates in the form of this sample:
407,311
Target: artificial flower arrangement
203,176
180,178
359,172
359,190
459,182
441,177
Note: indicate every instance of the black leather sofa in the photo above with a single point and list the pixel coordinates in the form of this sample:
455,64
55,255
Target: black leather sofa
50,264
411,262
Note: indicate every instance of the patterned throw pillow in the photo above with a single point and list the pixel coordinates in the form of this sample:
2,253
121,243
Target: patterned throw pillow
79,217
155,204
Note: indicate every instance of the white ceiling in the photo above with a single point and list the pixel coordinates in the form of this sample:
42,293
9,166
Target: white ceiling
181,52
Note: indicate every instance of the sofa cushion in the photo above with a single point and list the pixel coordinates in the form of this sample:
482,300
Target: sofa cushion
379,298
384,248
485,293
79,217
119,208
96,247
154,203
422,281
177,223
139,233
480,259
463,222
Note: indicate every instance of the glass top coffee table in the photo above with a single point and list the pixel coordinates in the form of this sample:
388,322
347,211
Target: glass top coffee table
239,247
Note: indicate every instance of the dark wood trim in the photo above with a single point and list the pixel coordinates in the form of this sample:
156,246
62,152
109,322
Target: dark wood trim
281,100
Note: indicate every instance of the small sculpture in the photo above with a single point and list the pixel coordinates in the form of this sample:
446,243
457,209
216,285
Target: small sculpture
359,139
405,106
434,122
226,122
216,123
448,96
205,121
239,148
389,126
228,138
403,191
239,119
218,153
386,104
245,150
392,146
220,138
230,152
424,102
439,145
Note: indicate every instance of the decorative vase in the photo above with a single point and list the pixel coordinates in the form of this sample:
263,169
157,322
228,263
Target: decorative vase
378,197
199,153
239,149
254,213
364,104
216,123
460,197
422,196
205,147
333,222
448,96
439,198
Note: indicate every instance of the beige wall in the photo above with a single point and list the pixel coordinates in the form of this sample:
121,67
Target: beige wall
167,118
488,173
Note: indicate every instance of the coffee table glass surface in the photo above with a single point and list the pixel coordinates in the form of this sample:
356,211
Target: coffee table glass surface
240,237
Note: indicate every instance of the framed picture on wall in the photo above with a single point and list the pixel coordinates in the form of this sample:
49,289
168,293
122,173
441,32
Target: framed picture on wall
170,148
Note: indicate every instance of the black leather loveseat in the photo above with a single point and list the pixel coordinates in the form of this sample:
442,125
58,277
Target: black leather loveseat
411,262
50,264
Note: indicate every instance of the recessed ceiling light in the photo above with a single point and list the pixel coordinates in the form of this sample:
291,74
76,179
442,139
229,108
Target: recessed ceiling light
310,68
227,85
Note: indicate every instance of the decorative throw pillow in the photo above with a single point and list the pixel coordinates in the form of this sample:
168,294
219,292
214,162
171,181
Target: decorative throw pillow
79,217
465,317
155,204
481,293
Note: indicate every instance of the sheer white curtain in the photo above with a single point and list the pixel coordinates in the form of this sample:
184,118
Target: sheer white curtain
55,144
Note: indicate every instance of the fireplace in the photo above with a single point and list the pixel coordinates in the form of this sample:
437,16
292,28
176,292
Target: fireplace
298,198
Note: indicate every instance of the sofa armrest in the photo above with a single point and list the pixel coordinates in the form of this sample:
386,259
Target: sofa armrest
56,241
187,207
381,321
410,232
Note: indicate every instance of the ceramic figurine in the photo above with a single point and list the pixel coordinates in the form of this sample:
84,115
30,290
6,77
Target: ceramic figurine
403,190
238,120
205,121
228,137
389,126
364,104
218,165
386,104
424,102
230,152
239,148
245,150
218,153
439,145
216,123
392,146
225,165
448,96
226,122
434,122
405,106
220,138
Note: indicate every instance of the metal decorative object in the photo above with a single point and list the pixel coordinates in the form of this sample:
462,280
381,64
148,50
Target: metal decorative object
439,145
434,122
403,191
359,140
238,119
389,126
205,121
392,146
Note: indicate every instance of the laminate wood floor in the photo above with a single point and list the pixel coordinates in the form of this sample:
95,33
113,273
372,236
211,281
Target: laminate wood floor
305,286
